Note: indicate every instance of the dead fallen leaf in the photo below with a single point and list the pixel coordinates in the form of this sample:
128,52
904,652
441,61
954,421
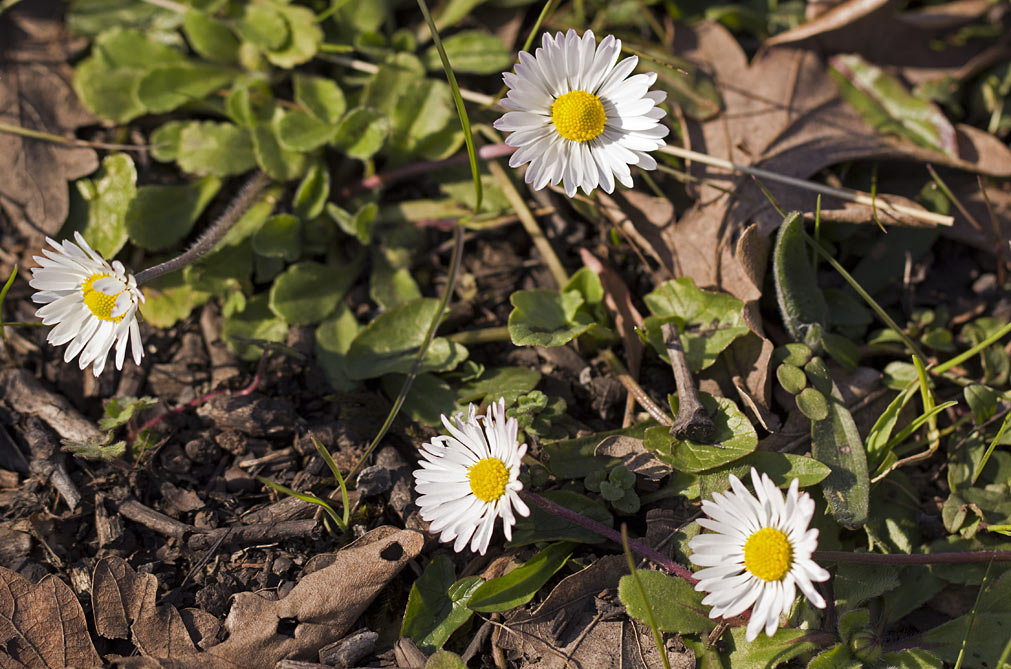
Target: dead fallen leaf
823,18
42,625
582,624
35,94
321,608
124,603
634,456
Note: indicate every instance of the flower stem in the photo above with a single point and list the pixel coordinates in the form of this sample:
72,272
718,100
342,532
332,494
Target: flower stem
212,235
920,558
615,536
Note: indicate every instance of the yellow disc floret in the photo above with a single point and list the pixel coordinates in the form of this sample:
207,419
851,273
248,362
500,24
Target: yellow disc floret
578,116
768,554
488,479
100,304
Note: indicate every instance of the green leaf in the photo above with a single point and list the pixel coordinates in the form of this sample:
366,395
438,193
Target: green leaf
390,343
437,606
164,88
119,410
161,216
857,583
686,83
733,438
521,584
801,303
885,103
791,378
985,628
586,282
314,191
89,18
307,292
168,299
321,97
836,657
362,133
165,141
221,149
542,526
505,382
428,400
305,36
575,459
333,339
390,286
95,450
277,161
546,318
263,25
912,658
836,442
767,651
107,82
880,433
279,237
471,51
443,659
709,322
358,226
108,194
301,131
209,37
675,604
256,321
983,401
812,404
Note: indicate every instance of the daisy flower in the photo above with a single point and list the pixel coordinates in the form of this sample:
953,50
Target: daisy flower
759,554
471,477
92,304
578,117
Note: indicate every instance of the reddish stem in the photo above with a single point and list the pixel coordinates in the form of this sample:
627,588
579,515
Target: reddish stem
257,378
615,536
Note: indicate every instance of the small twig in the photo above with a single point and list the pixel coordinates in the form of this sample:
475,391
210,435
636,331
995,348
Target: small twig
605,531
634,389
153,520
693,421
257,379
252,534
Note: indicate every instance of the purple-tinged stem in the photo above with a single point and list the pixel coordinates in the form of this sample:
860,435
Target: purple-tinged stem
920,558
615,536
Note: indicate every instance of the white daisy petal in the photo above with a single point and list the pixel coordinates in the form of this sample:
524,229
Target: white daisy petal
758,554
468,480
91,303
578,117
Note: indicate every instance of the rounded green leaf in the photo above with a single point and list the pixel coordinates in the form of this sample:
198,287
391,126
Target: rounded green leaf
796,354
263,25
791,378
209,37
437,605
220,149
301,131
305,37
675,605
333,339
161,216
168,299
321,97
812,404
165,141
308,292
362,133
390,343
473,51
279,237
256,321
276,160
108,195
546,318
313,192
164,88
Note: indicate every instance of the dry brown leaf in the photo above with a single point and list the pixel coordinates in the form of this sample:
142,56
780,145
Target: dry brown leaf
828,19
577,627
35,94
125,604
321,608
42,625
634,456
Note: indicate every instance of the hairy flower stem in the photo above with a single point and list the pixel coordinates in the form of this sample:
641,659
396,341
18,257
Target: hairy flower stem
904,560
615,536
212,235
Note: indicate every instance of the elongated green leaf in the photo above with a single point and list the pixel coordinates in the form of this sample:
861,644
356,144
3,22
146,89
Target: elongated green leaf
209,37
520,585
801,303
836,442
164,88
885,103
675,604
109,194
437,605
473,51
782,468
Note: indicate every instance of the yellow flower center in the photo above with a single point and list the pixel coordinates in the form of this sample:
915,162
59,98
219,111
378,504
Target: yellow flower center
100,304
768,554
488,479
578,116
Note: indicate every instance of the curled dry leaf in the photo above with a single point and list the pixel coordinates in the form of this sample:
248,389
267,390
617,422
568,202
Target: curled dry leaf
42,625
35,95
